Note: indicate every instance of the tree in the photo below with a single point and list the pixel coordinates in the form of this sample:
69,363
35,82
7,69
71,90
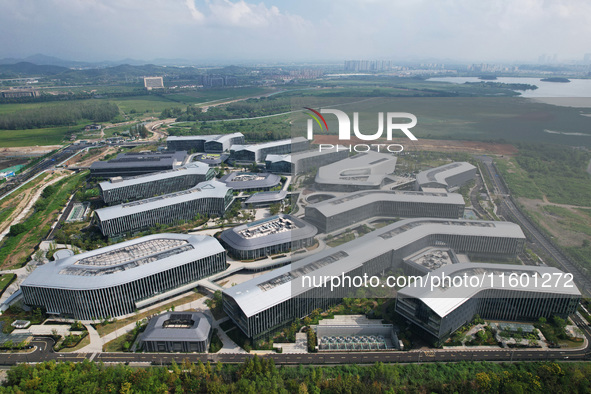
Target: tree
275,208
17,229
311,340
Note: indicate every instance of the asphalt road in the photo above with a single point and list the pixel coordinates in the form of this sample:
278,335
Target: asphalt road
44,352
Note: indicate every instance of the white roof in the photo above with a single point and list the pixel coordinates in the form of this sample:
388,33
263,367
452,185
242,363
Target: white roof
278,158
368,168
123,262
196,168
440,174
286,282
257,147
294,157
444,300
205,138
359,199
202,190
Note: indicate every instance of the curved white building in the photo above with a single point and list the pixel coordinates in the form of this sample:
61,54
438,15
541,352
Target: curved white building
207,198
119,190
499,292
360,172
450,176
118,279
340,212
273,235
276,298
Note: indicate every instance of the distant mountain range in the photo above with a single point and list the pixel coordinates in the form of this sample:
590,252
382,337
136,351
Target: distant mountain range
44,60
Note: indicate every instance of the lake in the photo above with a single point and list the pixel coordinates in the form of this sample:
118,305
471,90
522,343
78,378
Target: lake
575,88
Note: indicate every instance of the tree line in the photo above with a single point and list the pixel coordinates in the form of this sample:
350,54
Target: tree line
262,376
59,115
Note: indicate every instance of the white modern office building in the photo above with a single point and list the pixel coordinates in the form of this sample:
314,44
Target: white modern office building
207,198
119,190
352,209
274,299
119,279
493,291
269,236
258,152
363,171
133,164
216,143
450,176
302,162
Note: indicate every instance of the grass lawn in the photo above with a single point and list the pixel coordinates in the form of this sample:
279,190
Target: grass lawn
5,280
341,239
110,327
116,345
34,137
84,342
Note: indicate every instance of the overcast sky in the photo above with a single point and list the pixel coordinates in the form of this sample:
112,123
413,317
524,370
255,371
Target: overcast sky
235,31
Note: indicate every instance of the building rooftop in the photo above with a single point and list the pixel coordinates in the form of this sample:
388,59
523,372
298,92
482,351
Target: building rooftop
138,159
205,138
267,232
263,197
443,300
202,190
294,157
196,168
441,173
368,169
178,326
123,262
250,180
359,199
257,147
283,283
278,158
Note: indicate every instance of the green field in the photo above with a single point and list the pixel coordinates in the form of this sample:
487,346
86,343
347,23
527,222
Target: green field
556,172
33,137
499,119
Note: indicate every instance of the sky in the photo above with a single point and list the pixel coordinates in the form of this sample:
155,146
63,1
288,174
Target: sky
235,31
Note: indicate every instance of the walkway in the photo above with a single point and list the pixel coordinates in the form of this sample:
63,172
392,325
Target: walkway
97,342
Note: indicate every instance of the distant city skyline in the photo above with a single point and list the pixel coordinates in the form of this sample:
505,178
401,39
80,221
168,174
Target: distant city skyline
232,31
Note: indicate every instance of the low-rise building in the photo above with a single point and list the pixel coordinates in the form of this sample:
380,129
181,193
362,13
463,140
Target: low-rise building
302,162
132,164
257,153
119,279
248,181
214,143
363,171
207,198
340,212
265,199
450,176
440,310
119,190
276,298
177,332
265,237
